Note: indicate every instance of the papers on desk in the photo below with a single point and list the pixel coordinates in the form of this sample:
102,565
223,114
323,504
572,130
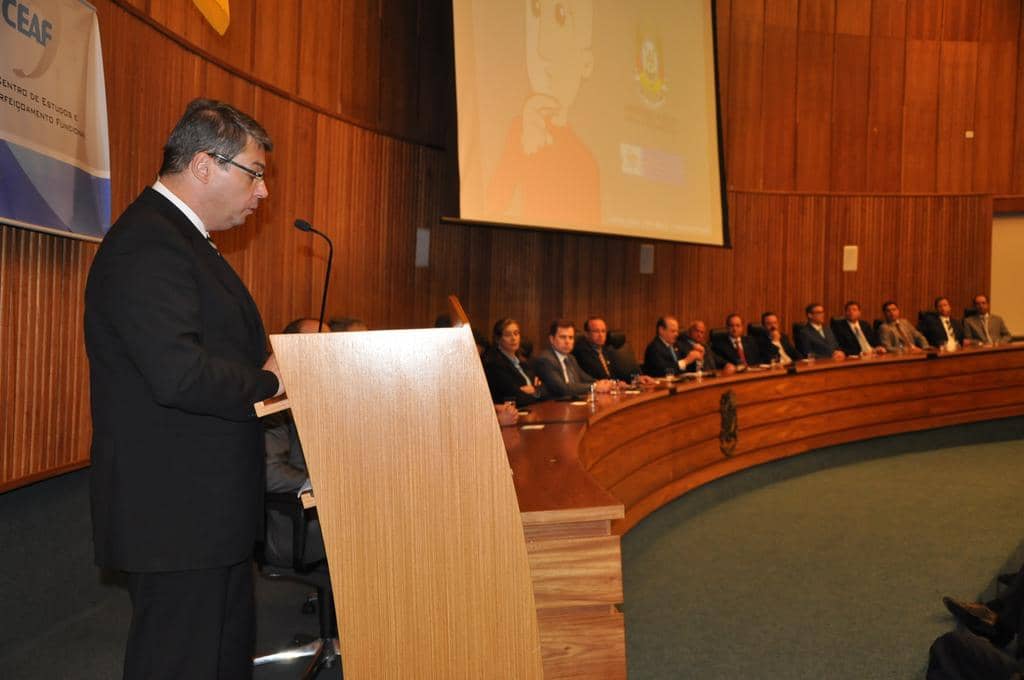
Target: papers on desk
532,427
578,403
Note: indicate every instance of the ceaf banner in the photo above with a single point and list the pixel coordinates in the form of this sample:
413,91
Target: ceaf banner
54,151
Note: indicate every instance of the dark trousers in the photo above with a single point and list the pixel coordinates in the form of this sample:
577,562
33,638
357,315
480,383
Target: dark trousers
198,624
1010,605
962,655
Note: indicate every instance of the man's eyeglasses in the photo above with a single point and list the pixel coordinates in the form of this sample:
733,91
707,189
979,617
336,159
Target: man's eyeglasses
257,175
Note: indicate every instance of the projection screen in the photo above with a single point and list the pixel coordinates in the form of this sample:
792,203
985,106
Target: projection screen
590,115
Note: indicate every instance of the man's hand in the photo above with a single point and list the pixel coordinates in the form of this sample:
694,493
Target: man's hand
271,365
507,413
603,386
839,354
528,389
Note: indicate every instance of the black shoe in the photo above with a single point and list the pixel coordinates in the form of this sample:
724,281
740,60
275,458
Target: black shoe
978,619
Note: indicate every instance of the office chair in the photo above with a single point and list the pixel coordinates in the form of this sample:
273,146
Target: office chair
322,651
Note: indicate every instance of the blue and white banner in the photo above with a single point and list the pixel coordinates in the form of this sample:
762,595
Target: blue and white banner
54,150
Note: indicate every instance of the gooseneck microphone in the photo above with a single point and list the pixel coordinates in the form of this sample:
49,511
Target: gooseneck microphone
303,225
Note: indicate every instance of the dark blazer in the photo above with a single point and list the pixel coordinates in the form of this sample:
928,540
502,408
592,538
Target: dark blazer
549,370
809,342
712,362
848,341
769,351
505,381
658,359
722,345
934,331
175,346
586,356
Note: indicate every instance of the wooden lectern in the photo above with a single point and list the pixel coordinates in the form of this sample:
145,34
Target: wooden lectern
419,514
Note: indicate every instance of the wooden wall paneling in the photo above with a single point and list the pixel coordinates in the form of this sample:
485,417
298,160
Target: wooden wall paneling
954,157
885,96
996,90
399,68
436,80
1017,181
44,379
920,116
723,33
756,283
778,98
276,39
924,19
143,101
399,220
804,248
276,256
814,94
850,101
235,47
216,83
360,55
746,52
999,20
320,68
961,20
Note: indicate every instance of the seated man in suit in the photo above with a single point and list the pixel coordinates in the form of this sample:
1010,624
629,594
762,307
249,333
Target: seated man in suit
696,339
941,329
286,473
663,356
776,344
736,348
591,352
854,335
559,374
508,376
897,334
815,338
984,327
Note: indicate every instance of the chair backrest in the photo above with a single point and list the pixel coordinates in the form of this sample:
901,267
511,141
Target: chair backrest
797,325
877,323
616,339
756,331
970,311
717,333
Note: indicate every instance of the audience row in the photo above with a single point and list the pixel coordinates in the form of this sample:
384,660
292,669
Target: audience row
573,365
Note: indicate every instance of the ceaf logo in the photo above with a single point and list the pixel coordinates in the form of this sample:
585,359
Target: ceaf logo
21,18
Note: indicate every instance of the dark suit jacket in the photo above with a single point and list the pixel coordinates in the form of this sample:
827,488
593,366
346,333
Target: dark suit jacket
175,346
549,370
935,332
809,342
848,341
769,351
658,359
723,346
586,356
712,362
505,381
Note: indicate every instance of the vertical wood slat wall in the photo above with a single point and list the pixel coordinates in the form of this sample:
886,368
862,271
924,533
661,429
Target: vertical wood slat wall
361,153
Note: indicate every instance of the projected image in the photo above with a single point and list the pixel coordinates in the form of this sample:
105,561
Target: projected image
545,166
589,115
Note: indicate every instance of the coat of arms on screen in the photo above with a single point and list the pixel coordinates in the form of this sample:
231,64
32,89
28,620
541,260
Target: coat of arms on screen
650,67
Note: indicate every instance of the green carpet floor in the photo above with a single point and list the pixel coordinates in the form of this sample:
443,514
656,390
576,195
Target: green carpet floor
828,565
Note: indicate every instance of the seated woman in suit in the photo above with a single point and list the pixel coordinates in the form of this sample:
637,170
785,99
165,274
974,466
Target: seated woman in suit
509,378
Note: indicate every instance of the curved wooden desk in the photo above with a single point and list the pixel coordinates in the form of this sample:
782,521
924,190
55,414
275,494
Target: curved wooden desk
593,472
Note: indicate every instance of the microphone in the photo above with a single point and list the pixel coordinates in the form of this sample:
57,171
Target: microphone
303,225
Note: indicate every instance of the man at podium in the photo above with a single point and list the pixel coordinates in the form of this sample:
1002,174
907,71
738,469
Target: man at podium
177,357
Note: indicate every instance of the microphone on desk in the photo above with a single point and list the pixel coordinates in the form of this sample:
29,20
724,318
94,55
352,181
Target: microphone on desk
303,225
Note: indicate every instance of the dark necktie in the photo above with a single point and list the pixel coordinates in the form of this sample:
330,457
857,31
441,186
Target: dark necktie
604,364
739,349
